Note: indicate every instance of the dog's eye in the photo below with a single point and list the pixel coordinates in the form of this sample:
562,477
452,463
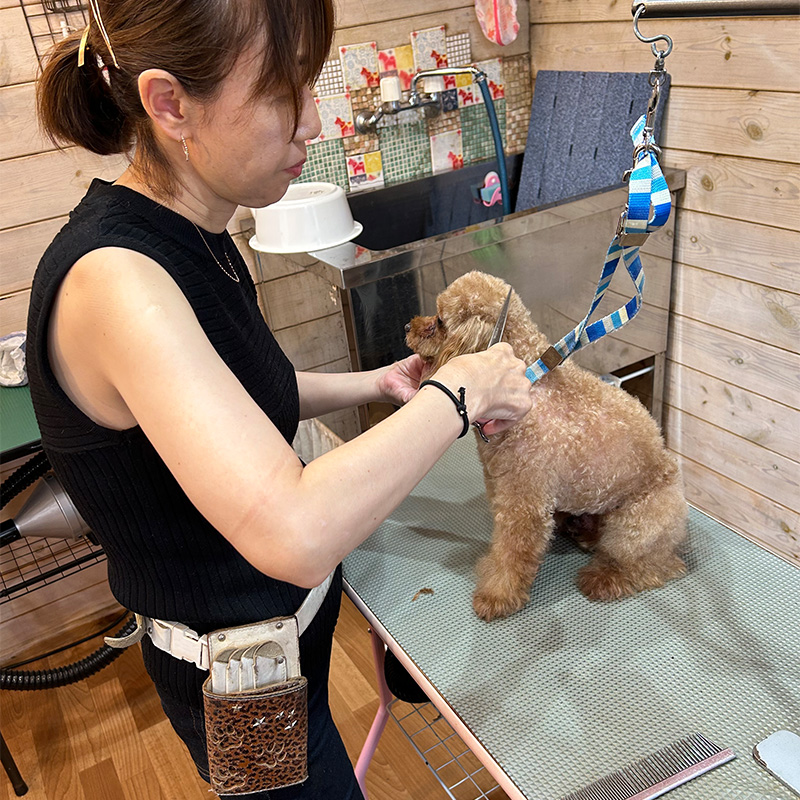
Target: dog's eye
439,322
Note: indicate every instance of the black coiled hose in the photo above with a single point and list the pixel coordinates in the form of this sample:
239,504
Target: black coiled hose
22,478
29,680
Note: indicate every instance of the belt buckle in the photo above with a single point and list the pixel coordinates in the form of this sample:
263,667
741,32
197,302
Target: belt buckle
181,641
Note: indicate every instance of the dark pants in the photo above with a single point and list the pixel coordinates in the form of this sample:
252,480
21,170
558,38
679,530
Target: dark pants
330,774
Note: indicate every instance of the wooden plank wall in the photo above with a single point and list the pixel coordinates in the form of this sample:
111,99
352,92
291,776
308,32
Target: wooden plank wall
733,376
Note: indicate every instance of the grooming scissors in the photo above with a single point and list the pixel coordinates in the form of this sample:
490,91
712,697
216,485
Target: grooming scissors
497,336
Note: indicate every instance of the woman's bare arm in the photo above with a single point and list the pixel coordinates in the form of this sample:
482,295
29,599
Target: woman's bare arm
323,392
127,332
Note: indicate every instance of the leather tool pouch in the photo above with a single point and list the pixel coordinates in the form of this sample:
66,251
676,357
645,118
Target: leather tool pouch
256,710
257,740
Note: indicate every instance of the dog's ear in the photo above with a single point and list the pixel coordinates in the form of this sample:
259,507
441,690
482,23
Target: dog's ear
468,336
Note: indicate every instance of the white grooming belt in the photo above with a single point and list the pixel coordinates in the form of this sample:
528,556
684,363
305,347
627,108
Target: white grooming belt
182,642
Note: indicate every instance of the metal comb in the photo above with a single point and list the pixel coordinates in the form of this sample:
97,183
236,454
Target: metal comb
658,773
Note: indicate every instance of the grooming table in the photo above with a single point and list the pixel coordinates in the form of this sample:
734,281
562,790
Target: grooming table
566,691
19,433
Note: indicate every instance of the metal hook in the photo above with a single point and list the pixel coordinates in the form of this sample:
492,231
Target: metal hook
651,40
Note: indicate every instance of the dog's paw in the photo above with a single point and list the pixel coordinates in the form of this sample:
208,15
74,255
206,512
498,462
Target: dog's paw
604,583
489,605
609,581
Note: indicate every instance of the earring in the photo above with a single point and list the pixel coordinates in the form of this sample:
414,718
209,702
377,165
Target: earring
185,147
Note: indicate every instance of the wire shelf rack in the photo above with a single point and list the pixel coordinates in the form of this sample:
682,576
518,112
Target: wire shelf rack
454,766
51,20
28,564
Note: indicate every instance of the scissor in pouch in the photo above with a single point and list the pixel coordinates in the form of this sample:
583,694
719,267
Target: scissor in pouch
256,708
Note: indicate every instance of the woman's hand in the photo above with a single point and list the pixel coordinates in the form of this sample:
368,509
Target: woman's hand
498,393
399,382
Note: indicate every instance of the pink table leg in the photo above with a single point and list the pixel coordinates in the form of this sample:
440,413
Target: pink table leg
382,714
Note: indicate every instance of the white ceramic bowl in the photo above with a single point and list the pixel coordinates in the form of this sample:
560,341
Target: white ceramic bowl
310,216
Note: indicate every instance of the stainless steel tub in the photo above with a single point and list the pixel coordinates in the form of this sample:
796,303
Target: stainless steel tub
552,256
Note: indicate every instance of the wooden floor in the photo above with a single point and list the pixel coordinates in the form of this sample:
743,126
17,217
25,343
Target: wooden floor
106,737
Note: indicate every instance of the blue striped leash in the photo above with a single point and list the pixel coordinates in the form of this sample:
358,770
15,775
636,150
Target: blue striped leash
647,189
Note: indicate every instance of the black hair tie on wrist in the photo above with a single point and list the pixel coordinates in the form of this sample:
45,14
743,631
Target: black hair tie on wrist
461,406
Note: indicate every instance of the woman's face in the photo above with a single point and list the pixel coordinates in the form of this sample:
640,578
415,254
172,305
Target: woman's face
242,149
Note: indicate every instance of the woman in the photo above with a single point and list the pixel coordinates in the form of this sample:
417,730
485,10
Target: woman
165,404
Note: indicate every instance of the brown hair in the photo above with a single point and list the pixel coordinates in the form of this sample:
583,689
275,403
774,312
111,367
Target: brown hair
197,41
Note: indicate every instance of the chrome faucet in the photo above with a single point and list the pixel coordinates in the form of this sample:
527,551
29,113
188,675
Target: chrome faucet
429,100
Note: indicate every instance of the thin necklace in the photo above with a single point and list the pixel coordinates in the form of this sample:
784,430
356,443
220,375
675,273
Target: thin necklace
235,276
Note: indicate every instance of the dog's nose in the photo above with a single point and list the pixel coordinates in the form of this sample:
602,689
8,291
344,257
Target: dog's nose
408,327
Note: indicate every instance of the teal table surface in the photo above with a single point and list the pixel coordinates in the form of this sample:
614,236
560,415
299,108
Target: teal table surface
566,691
19,432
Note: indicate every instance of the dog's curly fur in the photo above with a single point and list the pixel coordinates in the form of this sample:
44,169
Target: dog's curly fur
587,452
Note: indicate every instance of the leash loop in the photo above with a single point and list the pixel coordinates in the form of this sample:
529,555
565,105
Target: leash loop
647,191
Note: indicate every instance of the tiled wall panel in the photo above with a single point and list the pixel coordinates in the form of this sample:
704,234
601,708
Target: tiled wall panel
410,145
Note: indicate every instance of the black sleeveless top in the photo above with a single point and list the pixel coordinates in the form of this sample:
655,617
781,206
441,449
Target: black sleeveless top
164,559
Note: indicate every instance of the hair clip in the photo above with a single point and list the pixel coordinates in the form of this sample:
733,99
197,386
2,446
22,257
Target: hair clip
95,6
82,46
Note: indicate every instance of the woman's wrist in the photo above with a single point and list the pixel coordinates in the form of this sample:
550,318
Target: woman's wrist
458,400
398,382
453,375
440,412
375,385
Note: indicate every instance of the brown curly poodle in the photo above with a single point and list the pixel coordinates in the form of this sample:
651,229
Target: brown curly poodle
587,451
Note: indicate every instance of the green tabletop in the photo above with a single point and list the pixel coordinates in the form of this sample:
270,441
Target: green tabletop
566,691
19,433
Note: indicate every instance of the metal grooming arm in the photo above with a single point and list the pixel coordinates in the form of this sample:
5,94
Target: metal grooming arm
663,9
